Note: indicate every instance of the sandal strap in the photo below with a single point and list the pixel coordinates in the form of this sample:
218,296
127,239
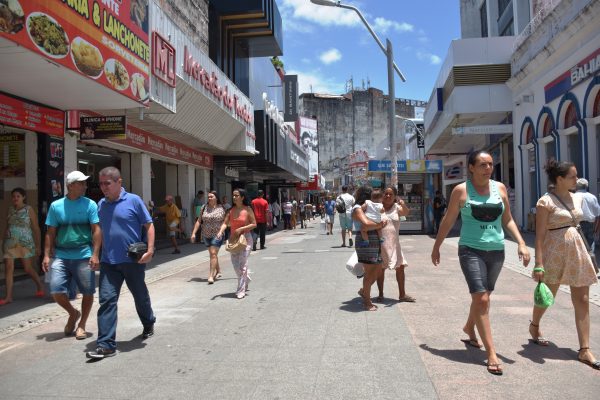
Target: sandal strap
584,348
534,325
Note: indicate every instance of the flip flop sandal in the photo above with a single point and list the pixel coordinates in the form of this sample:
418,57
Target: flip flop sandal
540,340
70,326
494,369
407,299
472,342
372,307
80,334
595,364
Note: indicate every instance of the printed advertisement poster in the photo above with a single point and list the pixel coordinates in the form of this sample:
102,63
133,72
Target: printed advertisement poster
309,140
18,113
12,150
106,41
91,128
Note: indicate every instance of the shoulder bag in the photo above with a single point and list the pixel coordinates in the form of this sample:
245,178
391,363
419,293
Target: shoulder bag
239,245
578,227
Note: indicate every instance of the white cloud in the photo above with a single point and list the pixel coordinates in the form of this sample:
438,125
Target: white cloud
384,25
330,56
315,82
305,10
432,58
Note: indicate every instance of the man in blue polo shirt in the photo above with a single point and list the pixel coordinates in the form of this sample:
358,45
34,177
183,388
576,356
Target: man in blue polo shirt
72,231
123,217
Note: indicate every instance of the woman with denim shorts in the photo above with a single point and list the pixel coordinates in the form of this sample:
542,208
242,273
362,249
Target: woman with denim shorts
484,208
211,217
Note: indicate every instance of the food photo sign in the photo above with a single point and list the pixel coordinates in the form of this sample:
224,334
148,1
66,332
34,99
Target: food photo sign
104,40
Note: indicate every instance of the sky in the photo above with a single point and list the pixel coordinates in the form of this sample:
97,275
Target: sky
327,46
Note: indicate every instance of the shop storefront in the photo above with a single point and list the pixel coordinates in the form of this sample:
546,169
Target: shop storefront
417,182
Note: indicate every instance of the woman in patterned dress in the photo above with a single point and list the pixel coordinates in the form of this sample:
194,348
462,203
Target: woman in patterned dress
21,240
561,257
210,219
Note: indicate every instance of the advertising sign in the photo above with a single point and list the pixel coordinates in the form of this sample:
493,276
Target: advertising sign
154,144
91,128
429,166
290,90
106,41
585,68
12,151
52,170
309,140
483,129
24,115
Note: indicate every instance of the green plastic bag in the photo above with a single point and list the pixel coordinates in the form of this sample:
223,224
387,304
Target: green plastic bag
542,296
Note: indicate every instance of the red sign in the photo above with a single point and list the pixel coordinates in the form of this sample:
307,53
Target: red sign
150,143
24,115
310,185
106,41
163,60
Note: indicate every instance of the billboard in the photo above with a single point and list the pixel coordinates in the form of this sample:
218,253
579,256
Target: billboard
309,141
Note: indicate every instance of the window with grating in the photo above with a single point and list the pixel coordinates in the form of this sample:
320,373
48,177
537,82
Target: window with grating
488,74
596,109
548,126
570,116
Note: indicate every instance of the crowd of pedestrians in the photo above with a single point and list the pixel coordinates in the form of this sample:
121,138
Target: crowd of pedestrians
83,237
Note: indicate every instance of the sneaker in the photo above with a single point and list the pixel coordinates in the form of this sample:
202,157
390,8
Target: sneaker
148,331
350,242
240,295
100,353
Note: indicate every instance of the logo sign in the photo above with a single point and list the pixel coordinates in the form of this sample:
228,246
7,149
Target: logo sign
455,171
483,129
578,73
428,166
232,172
163,60
91,128
290,90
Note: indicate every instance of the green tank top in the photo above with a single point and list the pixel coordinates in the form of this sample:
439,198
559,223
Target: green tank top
482,219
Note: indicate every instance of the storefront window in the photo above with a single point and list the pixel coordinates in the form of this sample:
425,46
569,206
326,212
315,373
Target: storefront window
412,194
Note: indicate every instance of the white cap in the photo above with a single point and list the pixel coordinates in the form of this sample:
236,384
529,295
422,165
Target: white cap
76,176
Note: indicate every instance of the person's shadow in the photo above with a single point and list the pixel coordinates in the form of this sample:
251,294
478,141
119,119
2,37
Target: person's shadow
225,296
470,355
355,305
54,336
539,354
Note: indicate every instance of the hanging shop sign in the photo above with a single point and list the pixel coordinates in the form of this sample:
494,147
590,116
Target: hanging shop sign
91,128
423,166
21,114
483,129
154,144
290,90
106,41
585,68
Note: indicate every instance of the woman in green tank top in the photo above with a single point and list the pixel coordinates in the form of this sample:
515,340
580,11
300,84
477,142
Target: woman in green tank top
485,212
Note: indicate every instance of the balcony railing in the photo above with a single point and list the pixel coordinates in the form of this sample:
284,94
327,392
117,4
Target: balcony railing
546,7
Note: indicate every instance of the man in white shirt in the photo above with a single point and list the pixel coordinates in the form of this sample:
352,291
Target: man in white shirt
591,210
346,218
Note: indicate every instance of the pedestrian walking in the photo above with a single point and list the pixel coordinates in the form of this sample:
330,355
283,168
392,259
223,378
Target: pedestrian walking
276,212
173,217
198,203
561,257
369,255
21,240
73,236
302,210
485,211
294,216
391,249
330,214
260,207
287,214
212,215
241,221
590,209
346,216
124,221
439,207
309,211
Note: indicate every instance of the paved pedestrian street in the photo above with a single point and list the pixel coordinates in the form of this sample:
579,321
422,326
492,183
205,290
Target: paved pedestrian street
301,333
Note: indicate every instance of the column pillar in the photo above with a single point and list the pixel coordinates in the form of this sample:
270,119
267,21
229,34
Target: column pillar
186,184
141,183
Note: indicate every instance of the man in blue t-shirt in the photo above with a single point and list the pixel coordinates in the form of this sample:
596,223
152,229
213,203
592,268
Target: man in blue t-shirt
74,238
123,219
329,214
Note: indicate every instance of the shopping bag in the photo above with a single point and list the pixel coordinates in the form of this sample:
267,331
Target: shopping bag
542,296
354,267
323,226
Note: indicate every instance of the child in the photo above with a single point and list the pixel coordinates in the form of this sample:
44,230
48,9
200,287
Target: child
373,210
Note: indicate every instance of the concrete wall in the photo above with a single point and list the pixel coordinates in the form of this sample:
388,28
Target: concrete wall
470,26
191,16
346,124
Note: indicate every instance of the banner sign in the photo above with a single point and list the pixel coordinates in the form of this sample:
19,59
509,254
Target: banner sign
309,140
422,166
290,90
106,41
28,116
154,144
585,68
102,127
483,129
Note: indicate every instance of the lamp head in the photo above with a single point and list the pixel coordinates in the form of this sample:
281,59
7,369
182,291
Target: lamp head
328,3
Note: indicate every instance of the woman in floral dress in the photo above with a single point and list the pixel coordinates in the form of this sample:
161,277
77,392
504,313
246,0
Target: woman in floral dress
21,240
211,217
561,257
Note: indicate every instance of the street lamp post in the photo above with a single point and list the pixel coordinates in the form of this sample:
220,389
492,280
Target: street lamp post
391,66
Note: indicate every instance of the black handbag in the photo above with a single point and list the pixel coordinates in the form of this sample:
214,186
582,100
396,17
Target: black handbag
137,250
578,227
